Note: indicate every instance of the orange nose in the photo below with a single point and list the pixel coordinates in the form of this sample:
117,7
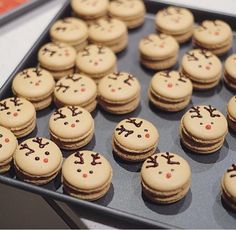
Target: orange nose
147,135
15,114
85,175
170,85
208,127
208,67
168,175
72,125
45,160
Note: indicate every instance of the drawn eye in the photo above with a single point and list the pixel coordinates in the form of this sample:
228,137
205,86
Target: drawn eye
90,61
200,66
139,136
31,82
0,145
109,86
210,63
82,85
8,113
176,84
91,171
100,59
75,91
18,110
212,123
201,123
145,130
1,135
78,170
165,80
119,88
47,153
160,172
66,123
37,158
172,170
77,121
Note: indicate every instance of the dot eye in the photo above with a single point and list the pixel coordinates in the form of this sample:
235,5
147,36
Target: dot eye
75,91
31,82
176,84
210,63
8,113
37,158
109,86
91,171
165,80
100,59
18,110
145,130
212,123
201,123
199,66
90,61
1,135
160,172
66,123
172,170
139,136
47,153
77,121
0,145
119,88
82,85
78,170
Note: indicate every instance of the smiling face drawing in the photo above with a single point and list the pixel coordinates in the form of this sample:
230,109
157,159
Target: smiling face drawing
15,112
38,156
136,134
205,122
202,64
87,170
119,86
95,59
165,172
71,122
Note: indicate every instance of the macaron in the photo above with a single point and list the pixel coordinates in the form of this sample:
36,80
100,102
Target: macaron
203,129
71,31
35,85
228,187
37,160
131,12
86,175
76,89
175,21
170,91
119,93
231,113
165,178
71,127
57,58
213,35
8,145
158,51
96,62
89,9
203,68
134,139
110,32
230,71
18,115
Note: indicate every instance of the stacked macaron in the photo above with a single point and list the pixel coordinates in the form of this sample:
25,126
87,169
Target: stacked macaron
170,91
203,129
230,71
231,113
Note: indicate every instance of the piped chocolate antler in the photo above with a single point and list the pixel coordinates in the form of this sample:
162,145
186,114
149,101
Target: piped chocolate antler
37,71
60,86
211,110
73,77
122,129
232,169
39,141
50,52
16,101
205,53
85,52
165,74
182,77
25,74
195,109
101,50
3,106
61,28
74,110
153,162
25,146
128,79
133,121
61,115
191,56
95,158
80,156
168,156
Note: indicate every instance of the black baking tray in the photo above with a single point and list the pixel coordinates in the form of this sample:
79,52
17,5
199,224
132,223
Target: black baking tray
202,207
20,10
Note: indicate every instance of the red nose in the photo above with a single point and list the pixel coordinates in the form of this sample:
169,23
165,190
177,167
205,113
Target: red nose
15,114
168,175
208,127
113,90
72,125
45,160
170,85
85,175
83,90
6,140
208,67
147,135
216,33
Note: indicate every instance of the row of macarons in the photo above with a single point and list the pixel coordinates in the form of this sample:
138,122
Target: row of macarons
165,177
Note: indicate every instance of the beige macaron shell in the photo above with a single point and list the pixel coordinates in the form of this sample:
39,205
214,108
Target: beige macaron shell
232,107
18,115
158,46
89,7
230,66
107,29
46,163
33,83
230,183
94,60
173,20
100,176
147,131
114,88
203,68
166,177
78,91
124,8
71,126
197,127
69,30
8,144
57,56
174,86
212,32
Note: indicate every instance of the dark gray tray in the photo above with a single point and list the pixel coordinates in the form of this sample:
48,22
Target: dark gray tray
202,207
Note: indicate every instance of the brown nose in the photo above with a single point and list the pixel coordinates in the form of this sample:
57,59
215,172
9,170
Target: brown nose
83,89
85,175
45,160
170,85
216,33
36,84
113,90
95,63
208,127
208,67
168,175
15,114
147,135
72,125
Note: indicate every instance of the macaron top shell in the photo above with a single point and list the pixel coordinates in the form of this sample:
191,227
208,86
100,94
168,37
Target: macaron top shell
165,172
201,64
205,122
171,84
75,89
89,7
126,8
136,134
119,87
8,144
107,29
86,170
57,56
174,19
230,66
69,30
232,107
71,122
95,59
229,181
33,83
158,46
38,157
212,32
16,112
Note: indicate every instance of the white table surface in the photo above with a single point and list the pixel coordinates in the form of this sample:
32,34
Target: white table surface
18,36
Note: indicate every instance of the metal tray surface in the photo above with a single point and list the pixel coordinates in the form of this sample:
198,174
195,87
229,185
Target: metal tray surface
202,207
